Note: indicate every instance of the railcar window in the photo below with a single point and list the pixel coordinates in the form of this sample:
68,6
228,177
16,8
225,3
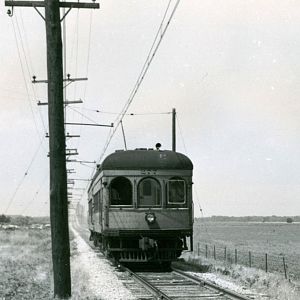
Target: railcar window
120,191
176,191
96,202
90,207
149,192
91,211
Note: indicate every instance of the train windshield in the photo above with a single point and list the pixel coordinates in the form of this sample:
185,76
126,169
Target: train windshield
149,192
176,191
120,191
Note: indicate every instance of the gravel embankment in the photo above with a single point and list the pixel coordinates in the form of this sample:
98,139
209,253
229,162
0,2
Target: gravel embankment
93,276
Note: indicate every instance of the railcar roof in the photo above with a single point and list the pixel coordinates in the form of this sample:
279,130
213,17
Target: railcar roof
146,159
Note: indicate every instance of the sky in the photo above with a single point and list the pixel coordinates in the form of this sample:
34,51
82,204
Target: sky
230,68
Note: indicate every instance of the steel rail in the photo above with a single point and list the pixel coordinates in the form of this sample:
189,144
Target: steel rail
230,293
151,288
160,295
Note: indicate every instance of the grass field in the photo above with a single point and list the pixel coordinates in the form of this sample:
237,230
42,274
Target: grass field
25,264
275,239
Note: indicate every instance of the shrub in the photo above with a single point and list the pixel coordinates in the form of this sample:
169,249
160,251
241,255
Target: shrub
4,219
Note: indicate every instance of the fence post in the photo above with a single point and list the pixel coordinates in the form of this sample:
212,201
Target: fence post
198,252
266,261
214,252
235,256
206,251
284,267
250,259
225,254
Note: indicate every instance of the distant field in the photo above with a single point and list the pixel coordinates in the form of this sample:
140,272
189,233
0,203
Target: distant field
275,239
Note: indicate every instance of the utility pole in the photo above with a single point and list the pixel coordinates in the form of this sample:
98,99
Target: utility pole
173,129
57,143
58,174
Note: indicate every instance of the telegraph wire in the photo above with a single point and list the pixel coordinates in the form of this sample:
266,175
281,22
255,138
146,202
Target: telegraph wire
29,65
89,51
76,52
24,176
14,91
75,34
35,194
26,43
73,43
87,66
23,47
26,87
23,73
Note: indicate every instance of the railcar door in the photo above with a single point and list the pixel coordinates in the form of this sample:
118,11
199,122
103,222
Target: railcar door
149,192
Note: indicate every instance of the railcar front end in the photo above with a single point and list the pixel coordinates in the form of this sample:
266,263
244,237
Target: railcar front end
140,205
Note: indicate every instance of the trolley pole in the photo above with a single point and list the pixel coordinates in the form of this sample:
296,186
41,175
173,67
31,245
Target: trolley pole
173,129
58,173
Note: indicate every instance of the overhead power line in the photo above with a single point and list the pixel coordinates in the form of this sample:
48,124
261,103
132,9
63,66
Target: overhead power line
23,178
185,149
154,47
87,64
128,114
28,65
151,54
35,195
82,115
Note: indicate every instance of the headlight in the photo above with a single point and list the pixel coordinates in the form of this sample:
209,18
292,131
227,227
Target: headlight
150,218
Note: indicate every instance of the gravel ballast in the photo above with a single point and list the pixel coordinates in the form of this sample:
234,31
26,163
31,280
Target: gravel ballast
92,274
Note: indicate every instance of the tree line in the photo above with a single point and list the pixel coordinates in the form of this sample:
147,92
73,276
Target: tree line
263,219
23,220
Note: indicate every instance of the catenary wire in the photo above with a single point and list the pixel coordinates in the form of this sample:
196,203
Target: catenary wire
151,54
127,114
157,41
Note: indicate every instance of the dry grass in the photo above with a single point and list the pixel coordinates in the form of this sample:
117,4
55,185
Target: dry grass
25,264
270,286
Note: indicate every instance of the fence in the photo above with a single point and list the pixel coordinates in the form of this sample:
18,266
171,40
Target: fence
266,262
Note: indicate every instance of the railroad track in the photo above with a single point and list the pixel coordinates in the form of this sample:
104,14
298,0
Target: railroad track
176,285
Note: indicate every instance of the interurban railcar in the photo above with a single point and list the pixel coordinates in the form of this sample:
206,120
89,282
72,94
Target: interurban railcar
140,205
